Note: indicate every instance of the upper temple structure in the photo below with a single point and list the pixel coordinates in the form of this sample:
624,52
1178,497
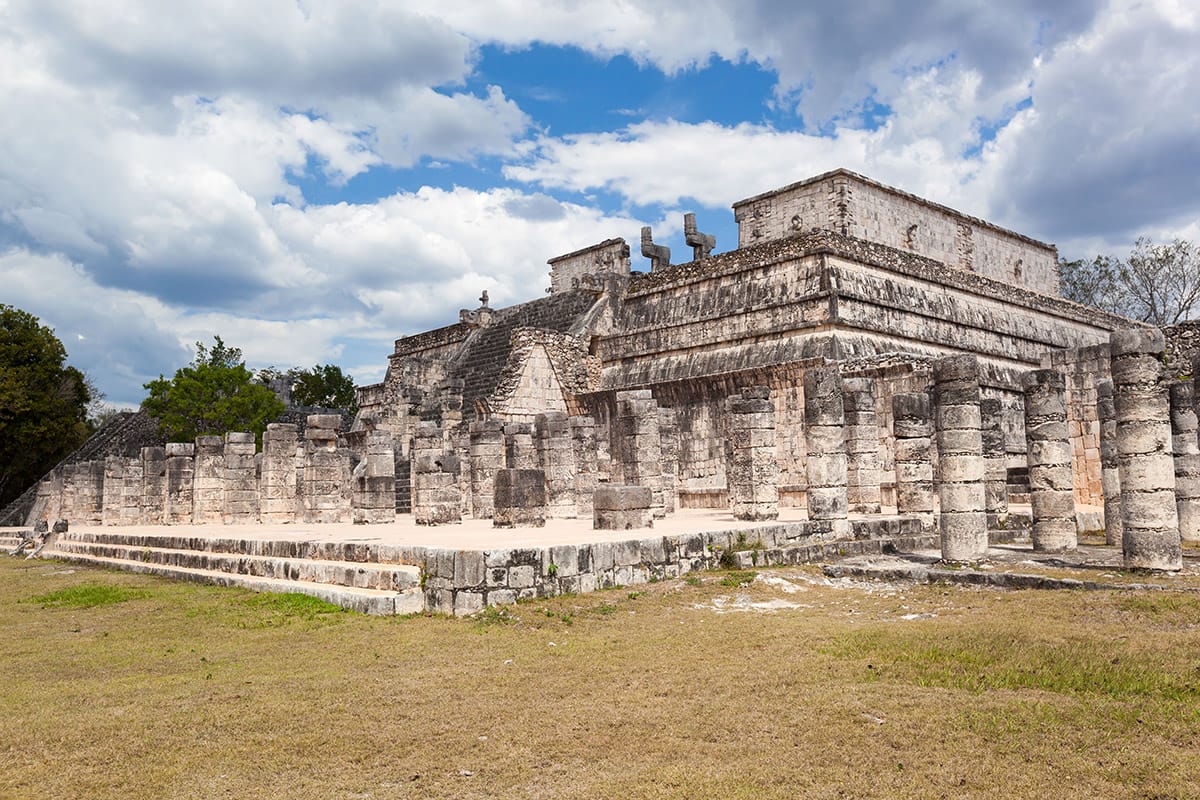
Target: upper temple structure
836,269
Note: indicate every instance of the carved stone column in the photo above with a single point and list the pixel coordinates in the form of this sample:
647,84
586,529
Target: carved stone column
962,519
1048,454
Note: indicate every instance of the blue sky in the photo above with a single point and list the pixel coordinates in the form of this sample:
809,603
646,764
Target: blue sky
311,180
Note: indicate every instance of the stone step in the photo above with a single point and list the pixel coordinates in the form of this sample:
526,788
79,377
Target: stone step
357,575
366,601
358,552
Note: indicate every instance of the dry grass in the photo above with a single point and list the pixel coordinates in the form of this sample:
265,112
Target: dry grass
183,691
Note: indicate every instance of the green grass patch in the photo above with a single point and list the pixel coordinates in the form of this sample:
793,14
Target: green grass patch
738,578
88,595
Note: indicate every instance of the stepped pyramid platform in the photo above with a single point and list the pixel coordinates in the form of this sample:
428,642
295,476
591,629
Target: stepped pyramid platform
405,568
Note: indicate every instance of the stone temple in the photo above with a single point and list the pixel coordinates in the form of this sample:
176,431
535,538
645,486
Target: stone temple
865,368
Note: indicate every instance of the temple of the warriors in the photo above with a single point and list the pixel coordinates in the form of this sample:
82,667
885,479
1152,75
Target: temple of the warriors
868,364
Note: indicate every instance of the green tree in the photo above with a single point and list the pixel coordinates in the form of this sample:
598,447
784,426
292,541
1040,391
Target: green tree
1156,283
43,402
214,394
323,385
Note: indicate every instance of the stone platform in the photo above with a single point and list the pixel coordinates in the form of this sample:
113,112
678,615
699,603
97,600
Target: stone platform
403,568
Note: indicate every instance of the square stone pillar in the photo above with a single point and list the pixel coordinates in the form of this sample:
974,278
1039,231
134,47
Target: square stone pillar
556,458
668,430
180,469
863,493
752,471
54,507
1110,478
640,444
963,519
241,479
519,451
208,481
587,468
91,493
1149,517
114,483
1048,454
154,486
487,457
436,499
622,508
1187,460
131,492
520,499
912,428
67,493
995,469
277,484
375,477
326,471
825,467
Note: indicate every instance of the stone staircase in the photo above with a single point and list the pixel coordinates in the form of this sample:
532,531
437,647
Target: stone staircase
350,576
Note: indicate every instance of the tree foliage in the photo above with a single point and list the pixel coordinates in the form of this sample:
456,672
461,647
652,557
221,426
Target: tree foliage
214,394
325,386
1156,283
43,402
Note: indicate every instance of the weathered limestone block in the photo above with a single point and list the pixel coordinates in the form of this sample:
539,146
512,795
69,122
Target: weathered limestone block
587,468
241,479
1150,520
995,471
180,469
862,446
114,482
519,451
1048,454
68,491
752,470
668,431
277,492
326,471
912,429
487,457
640,444
620,508
824,432
1110,479
556,458
89,498
520,499
131,492
154,485
375,481
1187,459
963,520
208,482
436,498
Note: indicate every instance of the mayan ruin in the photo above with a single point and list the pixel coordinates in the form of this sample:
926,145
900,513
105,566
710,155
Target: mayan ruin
865,370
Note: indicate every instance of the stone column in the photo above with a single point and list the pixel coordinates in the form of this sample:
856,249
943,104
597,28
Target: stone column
326,471
556,458
587,468
668,431
912,427
520,499
1187,460
622,508
90,509
962,520
519,452
753,469
179,482
641,444
208,481
67,493
377,481
1110,480
436,499
241,479
1048,454
487,456
862,446
825,435
1150,521
114,483
154,486
995,471
131,492
277,486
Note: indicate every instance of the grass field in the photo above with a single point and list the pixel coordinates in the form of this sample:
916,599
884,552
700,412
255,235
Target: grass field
720,685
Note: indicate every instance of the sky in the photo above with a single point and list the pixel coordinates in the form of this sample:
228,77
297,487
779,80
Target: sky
312,179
